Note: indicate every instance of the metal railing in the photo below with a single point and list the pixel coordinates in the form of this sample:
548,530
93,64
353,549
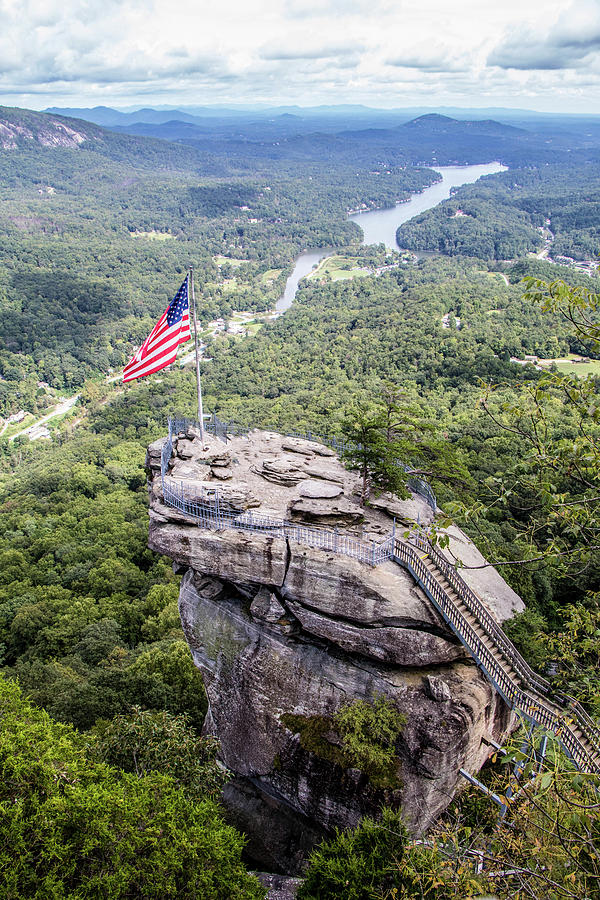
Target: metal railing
477,608
526,691
226,430
211,511
529,697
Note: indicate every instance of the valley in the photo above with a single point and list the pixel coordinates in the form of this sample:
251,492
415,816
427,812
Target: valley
438,356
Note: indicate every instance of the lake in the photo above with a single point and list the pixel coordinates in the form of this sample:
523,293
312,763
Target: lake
379,225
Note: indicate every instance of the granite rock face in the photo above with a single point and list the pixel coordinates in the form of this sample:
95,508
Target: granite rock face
279,628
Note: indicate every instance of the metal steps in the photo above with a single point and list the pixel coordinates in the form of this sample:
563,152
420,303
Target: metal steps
522,689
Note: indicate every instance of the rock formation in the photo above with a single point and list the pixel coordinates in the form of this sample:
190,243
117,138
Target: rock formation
285,634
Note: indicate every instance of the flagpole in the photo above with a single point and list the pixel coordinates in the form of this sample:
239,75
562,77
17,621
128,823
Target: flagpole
198,382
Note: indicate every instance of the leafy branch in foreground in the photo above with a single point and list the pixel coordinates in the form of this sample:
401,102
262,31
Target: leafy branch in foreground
547,847
576,304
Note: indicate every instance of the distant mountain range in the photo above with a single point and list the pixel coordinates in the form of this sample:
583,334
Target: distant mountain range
226,140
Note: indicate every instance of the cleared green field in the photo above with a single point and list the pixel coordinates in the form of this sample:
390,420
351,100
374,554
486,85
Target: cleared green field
154,235
582,369
339,268
222,260
271,275
16,427
571,365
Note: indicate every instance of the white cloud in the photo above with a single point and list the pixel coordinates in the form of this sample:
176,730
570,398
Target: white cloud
381,52
572,41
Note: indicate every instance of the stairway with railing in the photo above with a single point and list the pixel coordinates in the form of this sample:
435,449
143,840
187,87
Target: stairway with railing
523,690
530,695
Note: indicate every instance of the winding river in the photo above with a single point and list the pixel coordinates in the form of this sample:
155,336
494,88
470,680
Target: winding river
379,225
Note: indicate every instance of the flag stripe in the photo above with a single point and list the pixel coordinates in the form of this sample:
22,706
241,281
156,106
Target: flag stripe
165,335
160,347
137,366
150,368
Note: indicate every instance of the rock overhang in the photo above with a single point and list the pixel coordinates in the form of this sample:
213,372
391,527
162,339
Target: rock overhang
280,627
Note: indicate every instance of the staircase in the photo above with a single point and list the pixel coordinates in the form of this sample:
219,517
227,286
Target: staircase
523,690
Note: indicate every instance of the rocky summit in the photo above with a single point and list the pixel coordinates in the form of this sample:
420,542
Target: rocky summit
285,634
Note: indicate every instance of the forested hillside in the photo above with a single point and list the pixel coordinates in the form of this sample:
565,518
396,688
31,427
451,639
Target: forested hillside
95,239
505,216
93,235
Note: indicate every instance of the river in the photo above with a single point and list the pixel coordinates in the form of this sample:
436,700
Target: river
380,225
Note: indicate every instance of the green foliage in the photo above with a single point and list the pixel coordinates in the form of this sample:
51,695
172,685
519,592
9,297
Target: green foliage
548,844
503,217
373,455
357,865
369,732
571,649
377,861
72,827
547,496
143,742
393,441
362,735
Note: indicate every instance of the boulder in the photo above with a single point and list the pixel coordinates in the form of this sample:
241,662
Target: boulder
306,448
266,607
319,489
318,470
397,646
411,509
186,449
222,473
438,689
218,458
235,556
155,449
281,471
318,512
255,675
154,456
284,632
231,497
187,470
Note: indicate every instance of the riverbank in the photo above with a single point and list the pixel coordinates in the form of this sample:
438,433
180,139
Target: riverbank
379,226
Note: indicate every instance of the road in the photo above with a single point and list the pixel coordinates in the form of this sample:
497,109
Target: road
59,410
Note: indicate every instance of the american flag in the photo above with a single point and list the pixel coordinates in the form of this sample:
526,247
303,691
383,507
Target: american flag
160,347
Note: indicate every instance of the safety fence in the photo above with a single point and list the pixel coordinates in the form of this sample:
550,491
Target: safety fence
210,510
528,693
502,664
226,430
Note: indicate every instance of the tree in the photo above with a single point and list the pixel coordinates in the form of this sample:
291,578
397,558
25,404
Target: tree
391,440
371,453
71,826
377,861
369,732
146,741
359,864
551,493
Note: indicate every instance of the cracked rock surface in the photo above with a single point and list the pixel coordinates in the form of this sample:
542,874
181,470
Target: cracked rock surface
280,628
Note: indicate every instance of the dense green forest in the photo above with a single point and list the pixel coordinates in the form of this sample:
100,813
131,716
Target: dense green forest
119,648
505,216
92,238
94,242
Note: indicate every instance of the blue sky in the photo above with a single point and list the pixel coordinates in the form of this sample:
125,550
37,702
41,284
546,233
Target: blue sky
386,53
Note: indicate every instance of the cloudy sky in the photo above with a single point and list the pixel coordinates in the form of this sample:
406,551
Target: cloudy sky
536,54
